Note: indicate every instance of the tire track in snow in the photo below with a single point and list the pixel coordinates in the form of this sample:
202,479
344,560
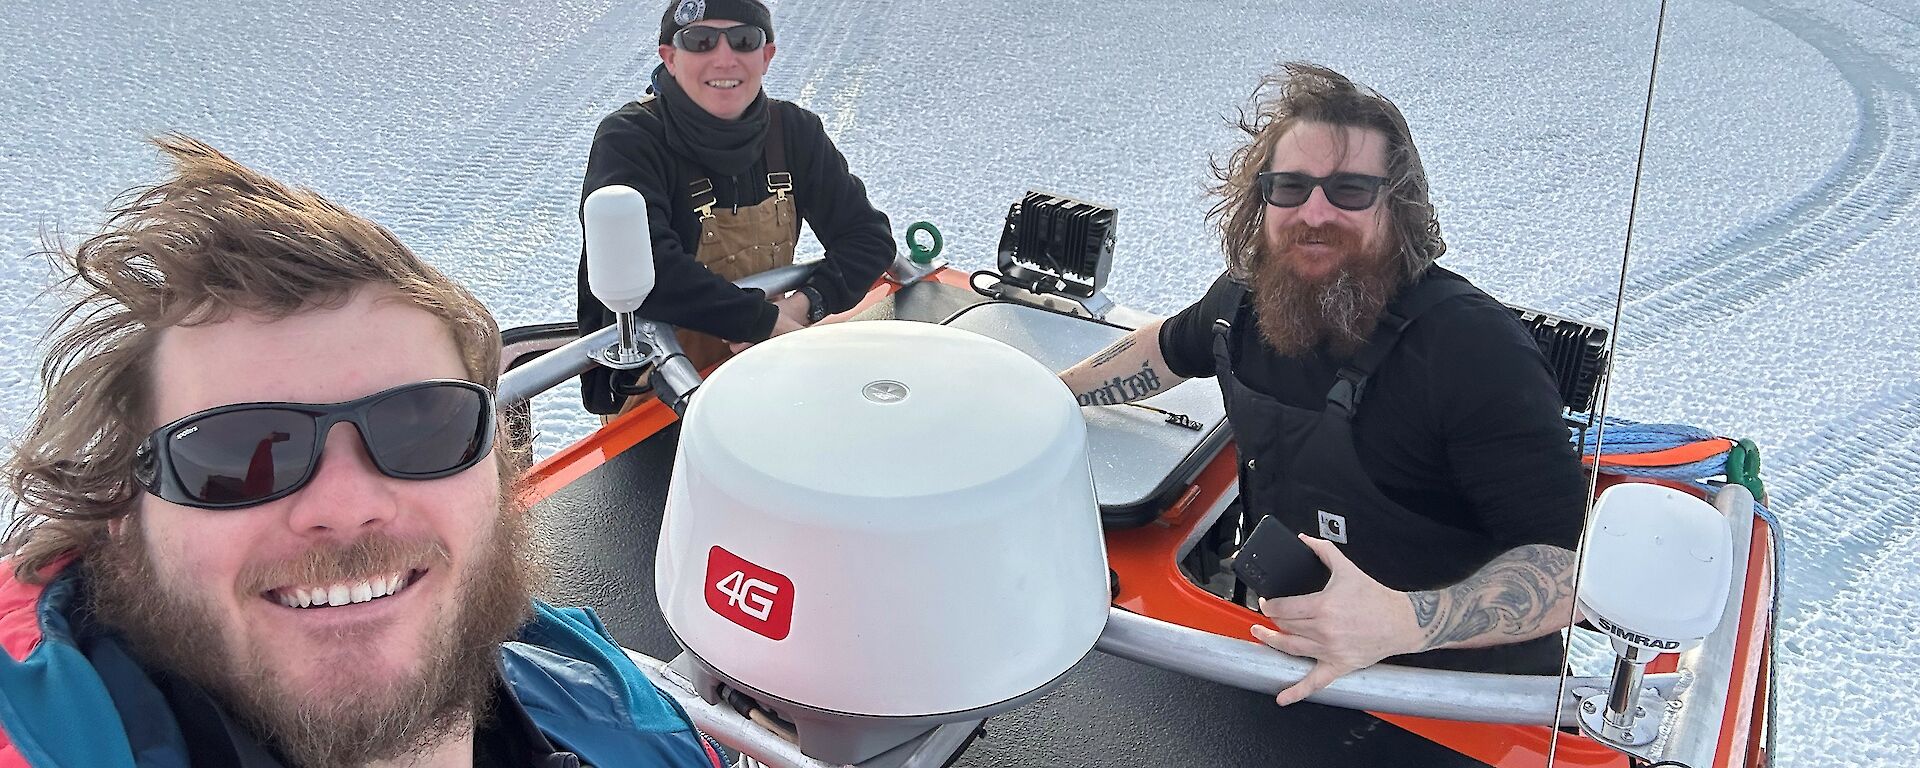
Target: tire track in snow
1882,7
834,77
1873,185
1845,499
525,152
834,56
1845,494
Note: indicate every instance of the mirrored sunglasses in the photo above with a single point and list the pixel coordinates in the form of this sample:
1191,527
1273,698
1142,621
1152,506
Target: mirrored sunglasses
743,38
244,454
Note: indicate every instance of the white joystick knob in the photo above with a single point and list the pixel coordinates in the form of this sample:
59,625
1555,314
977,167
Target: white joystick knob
619,266
619,247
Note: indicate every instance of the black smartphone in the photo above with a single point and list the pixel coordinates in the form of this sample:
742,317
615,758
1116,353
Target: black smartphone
1275,563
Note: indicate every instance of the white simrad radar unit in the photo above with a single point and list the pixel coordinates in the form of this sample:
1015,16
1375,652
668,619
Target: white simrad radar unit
879,529
1655,579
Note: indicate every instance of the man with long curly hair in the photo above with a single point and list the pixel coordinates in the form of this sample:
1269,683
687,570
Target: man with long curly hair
1448,502
262,518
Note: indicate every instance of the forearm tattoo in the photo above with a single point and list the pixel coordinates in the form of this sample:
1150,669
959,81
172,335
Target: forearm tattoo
1121,389
1506,601
1107,355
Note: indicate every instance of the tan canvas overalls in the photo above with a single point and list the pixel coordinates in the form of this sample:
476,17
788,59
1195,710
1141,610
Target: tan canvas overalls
737,242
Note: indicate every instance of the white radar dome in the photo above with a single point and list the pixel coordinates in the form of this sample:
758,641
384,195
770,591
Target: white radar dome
884,519
1657,567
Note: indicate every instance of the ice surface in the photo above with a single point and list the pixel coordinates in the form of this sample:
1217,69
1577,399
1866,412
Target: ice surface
1772,268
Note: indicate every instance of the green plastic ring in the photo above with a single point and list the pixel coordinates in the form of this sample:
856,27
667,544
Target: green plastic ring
921,254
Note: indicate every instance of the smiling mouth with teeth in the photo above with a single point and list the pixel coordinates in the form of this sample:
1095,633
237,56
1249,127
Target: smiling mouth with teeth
344,593
723,83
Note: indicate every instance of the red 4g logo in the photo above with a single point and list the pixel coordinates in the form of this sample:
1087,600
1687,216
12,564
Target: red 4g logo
749,595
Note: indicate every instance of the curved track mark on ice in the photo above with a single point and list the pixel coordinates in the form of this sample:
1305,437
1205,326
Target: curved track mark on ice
828,29
555,103
1845,494
1885,7
1876,182
1846,499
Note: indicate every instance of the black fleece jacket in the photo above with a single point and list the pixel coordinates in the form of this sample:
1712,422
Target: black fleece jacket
630,148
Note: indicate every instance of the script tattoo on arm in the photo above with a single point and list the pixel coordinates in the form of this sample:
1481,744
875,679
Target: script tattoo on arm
1130,368
1520,595
1124,389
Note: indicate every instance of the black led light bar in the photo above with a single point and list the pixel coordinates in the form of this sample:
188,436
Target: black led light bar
1059,245
1576,351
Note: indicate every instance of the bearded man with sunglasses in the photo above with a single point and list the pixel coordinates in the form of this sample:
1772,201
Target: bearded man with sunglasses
728,175
1377,400
262,517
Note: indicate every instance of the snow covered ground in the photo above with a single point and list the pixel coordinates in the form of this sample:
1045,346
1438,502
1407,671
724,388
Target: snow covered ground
1770,272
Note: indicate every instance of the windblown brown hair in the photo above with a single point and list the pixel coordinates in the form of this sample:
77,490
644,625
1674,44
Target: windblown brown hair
1312,93
214,239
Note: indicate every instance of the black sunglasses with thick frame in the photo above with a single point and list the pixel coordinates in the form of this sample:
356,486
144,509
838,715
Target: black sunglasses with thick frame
745,38
1346,191
420,431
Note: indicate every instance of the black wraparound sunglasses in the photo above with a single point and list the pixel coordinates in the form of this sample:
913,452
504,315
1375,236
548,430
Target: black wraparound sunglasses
244,454
1346,191
744,38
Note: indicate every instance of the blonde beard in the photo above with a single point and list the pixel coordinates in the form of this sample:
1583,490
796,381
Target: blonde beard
181,635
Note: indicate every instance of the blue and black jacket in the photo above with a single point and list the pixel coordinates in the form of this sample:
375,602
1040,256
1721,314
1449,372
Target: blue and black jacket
576,695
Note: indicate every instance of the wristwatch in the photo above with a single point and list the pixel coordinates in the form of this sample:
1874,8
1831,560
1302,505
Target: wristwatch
816,304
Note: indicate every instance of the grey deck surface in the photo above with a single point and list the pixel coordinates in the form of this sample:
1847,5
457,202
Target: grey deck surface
1138,459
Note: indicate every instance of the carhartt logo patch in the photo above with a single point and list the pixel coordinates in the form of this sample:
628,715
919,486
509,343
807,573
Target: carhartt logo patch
689,12
1333,527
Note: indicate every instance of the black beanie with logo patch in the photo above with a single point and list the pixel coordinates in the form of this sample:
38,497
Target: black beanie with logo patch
683,12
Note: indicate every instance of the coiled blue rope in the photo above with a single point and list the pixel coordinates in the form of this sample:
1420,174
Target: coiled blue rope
1629,437
1623,436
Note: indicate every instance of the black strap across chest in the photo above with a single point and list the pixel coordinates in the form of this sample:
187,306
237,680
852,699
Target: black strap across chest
1351,382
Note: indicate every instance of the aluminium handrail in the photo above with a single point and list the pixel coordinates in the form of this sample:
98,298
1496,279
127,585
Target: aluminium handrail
1464,696
549,370
721,721
1461,696
1694,737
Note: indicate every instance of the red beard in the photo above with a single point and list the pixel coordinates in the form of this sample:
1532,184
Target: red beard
1338,310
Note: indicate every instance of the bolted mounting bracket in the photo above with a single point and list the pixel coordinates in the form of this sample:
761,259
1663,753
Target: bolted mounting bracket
631,351
1641,738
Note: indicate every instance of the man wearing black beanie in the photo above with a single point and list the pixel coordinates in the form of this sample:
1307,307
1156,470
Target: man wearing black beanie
728,175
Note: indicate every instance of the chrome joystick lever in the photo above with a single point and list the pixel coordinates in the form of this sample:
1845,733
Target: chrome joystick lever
620,268
1655,579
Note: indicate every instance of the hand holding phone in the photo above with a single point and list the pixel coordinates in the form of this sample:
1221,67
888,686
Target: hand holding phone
1275,563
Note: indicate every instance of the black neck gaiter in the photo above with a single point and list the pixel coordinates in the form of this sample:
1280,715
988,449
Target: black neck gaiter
723,147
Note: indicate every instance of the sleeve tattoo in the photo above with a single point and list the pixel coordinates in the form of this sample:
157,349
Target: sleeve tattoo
1507,601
